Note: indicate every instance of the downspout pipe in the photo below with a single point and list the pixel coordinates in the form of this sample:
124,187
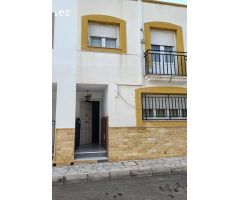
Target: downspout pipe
141,34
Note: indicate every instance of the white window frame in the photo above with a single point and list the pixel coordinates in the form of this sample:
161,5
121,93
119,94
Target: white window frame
103,41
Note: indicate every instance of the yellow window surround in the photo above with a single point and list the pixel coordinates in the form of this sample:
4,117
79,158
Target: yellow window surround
166,27
104,19
157,90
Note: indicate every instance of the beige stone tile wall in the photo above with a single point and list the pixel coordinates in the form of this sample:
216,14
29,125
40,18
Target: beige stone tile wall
64,146
132,143
128,143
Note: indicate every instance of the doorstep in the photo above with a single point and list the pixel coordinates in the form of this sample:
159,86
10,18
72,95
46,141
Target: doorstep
91,160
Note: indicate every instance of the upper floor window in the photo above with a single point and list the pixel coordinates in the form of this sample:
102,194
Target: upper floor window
164,47
104,36
103,33
96,41
163,40
162,37
111,42
165,53
155,47
103,42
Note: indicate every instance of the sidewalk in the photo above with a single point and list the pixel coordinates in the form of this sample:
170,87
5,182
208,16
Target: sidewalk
116,170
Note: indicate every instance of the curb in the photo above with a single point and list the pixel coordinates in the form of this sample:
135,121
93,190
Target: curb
118,174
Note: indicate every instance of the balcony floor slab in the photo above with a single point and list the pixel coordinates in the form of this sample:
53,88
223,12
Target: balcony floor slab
166,78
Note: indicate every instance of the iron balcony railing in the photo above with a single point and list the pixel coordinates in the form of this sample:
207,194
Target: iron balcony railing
165,62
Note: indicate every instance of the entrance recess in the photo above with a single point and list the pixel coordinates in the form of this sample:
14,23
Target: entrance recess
90,132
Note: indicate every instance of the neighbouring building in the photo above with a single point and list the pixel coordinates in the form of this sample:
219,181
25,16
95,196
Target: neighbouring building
119,88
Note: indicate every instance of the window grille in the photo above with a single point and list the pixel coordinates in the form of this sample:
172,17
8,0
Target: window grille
164,107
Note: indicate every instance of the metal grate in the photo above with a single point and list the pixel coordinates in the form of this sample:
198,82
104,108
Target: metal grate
164,107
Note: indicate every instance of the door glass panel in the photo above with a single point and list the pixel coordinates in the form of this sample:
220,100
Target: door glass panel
155,55
168,56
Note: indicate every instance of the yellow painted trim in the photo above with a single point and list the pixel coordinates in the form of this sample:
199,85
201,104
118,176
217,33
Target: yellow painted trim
166,27
104,19
165,3
157,90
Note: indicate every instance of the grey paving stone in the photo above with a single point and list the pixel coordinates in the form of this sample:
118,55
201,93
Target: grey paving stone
72,171
179,169
58,171
161,170
141,172
123,169
98,176
75,178
120,174
129,163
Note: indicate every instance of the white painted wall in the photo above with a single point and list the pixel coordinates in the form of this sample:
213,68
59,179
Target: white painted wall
122,110
64,62
107,68
166,13
72,66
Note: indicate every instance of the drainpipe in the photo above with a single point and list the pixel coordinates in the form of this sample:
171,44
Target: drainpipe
141,32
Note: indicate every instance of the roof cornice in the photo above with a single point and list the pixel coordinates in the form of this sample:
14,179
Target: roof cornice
165,3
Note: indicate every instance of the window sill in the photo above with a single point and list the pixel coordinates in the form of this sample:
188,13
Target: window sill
104,49
174,119
162,123
164,120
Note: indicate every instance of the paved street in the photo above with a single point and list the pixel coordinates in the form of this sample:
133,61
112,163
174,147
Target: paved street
163,187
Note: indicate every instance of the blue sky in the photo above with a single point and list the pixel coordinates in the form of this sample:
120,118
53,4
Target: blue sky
176,1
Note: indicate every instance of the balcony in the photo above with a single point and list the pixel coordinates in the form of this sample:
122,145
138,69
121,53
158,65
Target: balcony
165,65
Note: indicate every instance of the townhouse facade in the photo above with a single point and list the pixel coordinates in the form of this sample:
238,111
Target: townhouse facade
119,87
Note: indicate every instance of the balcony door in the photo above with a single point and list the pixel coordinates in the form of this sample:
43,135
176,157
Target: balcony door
163,46
163,60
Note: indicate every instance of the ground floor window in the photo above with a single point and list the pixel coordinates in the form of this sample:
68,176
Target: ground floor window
164,107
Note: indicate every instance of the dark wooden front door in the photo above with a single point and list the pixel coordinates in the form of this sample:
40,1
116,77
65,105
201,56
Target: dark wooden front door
104,132
95,121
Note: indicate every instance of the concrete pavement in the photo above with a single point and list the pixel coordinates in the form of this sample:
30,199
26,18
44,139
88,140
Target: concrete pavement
117,170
